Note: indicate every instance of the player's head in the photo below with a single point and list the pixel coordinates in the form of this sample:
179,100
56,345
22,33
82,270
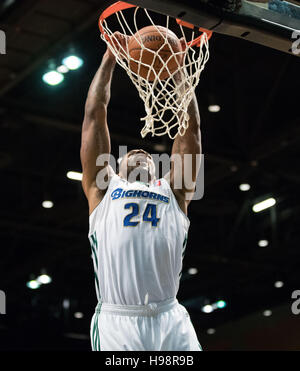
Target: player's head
137,165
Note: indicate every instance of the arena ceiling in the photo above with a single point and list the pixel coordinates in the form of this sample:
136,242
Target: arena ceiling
255,138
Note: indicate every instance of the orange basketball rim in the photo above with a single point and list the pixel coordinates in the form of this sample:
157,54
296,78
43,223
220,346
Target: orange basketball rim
166,96
121,5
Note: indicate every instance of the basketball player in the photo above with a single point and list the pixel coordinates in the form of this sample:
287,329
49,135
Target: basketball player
138,234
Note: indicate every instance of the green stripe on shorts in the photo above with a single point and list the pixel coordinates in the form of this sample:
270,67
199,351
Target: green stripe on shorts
96,335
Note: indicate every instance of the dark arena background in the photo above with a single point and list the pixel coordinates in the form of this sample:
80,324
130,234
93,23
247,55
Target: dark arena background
241,269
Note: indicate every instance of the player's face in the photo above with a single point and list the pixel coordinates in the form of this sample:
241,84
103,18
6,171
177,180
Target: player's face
139,164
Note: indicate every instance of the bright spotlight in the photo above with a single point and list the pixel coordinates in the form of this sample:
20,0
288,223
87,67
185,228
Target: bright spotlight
221,304
214,108
47,204
78,315
211,331
244,187
74,175
53,78
44,279
267,313
193,271
263,243
33,284
72,62
278,284
207,308
62,69
264,205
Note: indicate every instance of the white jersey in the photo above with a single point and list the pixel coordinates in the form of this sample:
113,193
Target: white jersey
138,235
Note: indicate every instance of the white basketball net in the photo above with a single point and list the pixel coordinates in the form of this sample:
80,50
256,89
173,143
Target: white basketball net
166,101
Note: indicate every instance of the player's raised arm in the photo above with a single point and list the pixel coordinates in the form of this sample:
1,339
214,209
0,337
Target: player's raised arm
185,162
95,138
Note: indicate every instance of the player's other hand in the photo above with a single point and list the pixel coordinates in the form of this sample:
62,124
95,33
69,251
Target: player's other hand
119,42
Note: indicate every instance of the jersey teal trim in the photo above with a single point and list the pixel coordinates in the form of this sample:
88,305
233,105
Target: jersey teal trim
96,332
94,247
183,251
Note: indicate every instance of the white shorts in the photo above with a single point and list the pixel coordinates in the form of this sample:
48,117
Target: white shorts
164,326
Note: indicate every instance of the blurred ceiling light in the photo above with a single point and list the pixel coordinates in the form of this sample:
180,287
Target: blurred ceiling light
264,205
72,62
62,69
74,175
244,187
207,308
47,204
76,336
278,284
214,108
44,279
267,313
78,315
192,271
53,78
221,304
33,284
211,331
263,243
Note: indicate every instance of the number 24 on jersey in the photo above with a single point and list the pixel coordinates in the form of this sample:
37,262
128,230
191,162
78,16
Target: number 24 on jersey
148,216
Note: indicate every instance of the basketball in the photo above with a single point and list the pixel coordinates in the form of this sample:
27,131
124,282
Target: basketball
154,38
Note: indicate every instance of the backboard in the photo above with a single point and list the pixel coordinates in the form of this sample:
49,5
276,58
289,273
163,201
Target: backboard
273,23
